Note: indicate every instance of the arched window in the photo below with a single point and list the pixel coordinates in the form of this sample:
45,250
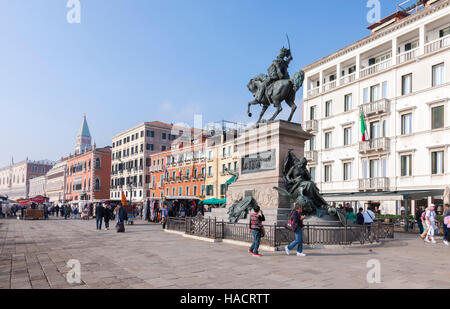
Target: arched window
97,163
97,184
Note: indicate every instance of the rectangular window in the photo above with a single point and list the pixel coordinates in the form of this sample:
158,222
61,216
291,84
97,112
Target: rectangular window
312,171
312,113
406,124
374,168
150,133
406,84
437,117
375,93
438,75
347,136
327,170
312,143
375,130
348,102
406,165
437,162
366,98
444,32
328,141
210,171
347,171
328,108
164,136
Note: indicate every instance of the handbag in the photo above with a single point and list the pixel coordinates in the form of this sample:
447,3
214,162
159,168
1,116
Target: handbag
262,231
291,225
447,221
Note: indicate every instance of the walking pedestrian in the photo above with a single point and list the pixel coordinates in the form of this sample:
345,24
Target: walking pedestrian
430,217
99,216
122,216
446,224
419,213
165,215
256,228
297,217
107,216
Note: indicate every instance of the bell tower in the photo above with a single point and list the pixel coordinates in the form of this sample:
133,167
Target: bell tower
83,144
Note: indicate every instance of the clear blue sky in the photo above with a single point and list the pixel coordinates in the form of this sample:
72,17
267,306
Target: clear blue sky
131,61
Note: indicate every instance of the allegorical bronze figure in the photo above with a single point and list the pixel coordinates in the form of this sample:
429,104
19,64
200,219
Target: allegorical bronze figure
300,188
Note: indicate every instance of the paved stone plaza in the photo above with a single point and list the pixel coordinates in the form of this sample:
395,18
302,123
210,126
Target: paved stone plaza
33,254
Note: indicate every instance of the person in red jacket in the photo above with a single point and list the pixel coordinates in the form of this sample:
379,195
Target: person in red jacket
256,228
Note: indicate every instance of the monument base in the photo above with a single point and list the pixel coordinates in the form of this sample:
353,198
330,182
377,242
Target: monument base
263,151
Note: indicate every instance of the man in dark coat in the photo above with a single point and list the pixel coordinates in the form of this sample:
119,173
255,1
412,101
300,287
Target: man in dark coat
99,210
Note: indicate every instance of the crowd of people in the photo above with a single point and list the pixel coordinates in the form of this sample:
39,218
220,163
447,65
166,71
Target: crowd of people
427,221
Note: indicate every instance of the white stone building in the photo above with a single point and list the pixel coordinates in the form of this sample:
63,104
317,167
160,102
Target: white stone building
15,178
398,79
38,186
56,182
130,159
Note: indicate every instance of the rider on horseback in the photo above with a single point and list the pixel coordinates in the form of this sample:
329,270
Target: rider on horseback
277,71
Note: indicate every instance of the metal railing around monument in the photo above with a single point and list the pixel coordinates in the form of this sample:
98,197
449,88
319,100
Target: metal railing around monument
276,235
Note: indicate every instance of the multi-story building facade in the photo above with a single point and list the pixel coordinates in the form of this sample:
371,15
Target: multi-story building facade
56,182
131,152
221,155
179,172
396,82
38,186
15,179
88,175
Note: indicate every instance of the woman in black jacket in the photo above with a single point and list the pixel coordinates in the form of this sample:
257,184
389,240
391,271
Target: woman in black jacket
107,216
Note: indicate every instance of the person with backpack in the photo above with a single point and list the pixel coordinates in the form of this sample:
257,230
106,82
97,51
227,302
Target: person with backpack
257,229
360,217
296,225
107,216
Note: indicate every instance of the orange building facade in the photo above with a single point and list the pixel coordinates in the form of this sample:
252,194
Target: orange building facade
88,176
180,172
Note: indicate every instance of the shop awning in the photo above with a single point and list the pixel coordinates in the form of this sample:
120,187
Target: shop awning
231,180
214,201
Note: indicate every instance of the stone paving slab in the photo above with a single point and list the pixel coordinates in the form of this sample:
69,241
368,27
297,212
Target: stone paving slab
34,254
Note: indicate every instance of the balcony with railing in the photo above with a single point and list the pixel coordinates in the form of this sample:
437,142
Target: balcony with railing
437,45
375,145
347,79
377,107
328,86
311,156
408,55
313,92
160,184
374,184
311,125
375,68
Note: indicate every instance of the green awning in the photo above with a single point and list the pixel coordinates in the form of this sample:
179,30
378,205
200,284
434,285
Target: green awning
231,180
214,201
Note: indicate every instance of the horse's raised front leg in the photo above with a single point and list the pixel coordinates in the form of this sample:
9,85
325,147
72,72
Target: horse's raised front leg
254,102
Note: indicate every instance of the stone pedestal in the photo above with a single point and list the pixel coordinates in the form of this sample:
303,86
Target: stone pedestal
263,151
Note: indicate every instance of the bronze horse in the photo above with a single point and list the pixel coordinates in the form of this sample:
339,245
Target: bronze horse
276,93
